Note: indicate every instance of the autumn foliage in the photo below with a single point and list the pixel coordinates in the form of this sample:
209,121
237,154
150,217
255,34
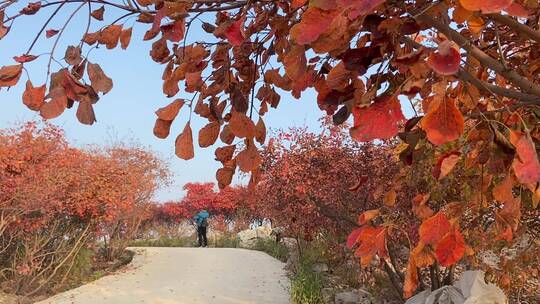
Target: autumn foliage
57,200
467,69
225,206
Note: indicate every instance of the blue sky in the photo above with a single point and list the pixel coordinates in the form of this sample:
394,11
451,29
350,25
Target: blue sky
127,112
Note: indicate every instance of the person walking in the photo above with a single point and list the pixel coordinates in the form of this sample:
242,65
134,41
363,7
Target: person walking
201,219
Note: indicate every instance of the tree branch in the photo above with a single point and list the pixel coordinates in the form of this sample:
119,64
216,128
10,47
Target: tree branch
523,83
518,27
523,98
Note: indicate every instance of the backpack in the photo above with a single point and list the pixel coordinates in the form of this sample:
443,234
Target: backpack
204,222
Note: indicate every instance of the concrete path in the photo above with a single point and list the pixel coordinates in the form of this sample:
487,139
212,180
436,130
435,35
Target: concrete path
190,276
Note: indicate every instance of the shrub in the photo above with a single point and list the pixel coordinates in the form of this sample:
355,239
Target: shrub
271,247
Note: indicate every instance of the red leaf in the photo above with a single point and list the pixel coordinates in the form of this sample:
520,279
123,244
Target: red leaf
25,58
517,10
445,164
56,106
174,31
443,122
446,60
378,121
51,33
450,249
31,8
297,3
170,111
526,165
98,14
314,22
359,7
33,97
10,75
125,38
184,144
372,241
235,32
353,236
434,228
489,6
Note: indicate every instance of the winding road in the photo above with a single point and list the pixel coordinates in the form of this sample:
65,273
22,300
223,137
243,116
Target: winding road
190,276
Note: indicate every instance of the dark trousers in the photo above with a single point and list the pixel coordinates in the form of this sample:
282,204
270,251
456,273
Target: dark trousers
201,234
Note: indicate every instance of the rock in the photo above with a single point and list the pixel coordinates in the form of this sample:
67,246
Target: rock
249,237
320,267
328,295
9,298
353,297
292,249
213,236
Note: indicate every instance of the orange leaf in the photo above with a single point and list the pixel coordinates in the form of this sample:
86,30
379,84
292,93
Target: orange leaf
367,216
422,255
162,128
434,228
526,165
411,279
25,58
91,38
487,6
125,38
371,240
353,236
209,134
297,3
98,14
110,36
184,144
260,131
460,14
443,122
9,75
248,159
314,22
170,111
100,81
241,126
175,31
450,249
224,154
235,32
446,60
51,33
445,164
224,176
295,62
34,97
56,106
390,198
85,113
517,10
359,7
378,121
226,135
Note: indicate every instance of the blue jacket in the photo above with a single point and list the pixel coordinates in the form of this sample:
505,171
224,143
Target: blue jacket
201,216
